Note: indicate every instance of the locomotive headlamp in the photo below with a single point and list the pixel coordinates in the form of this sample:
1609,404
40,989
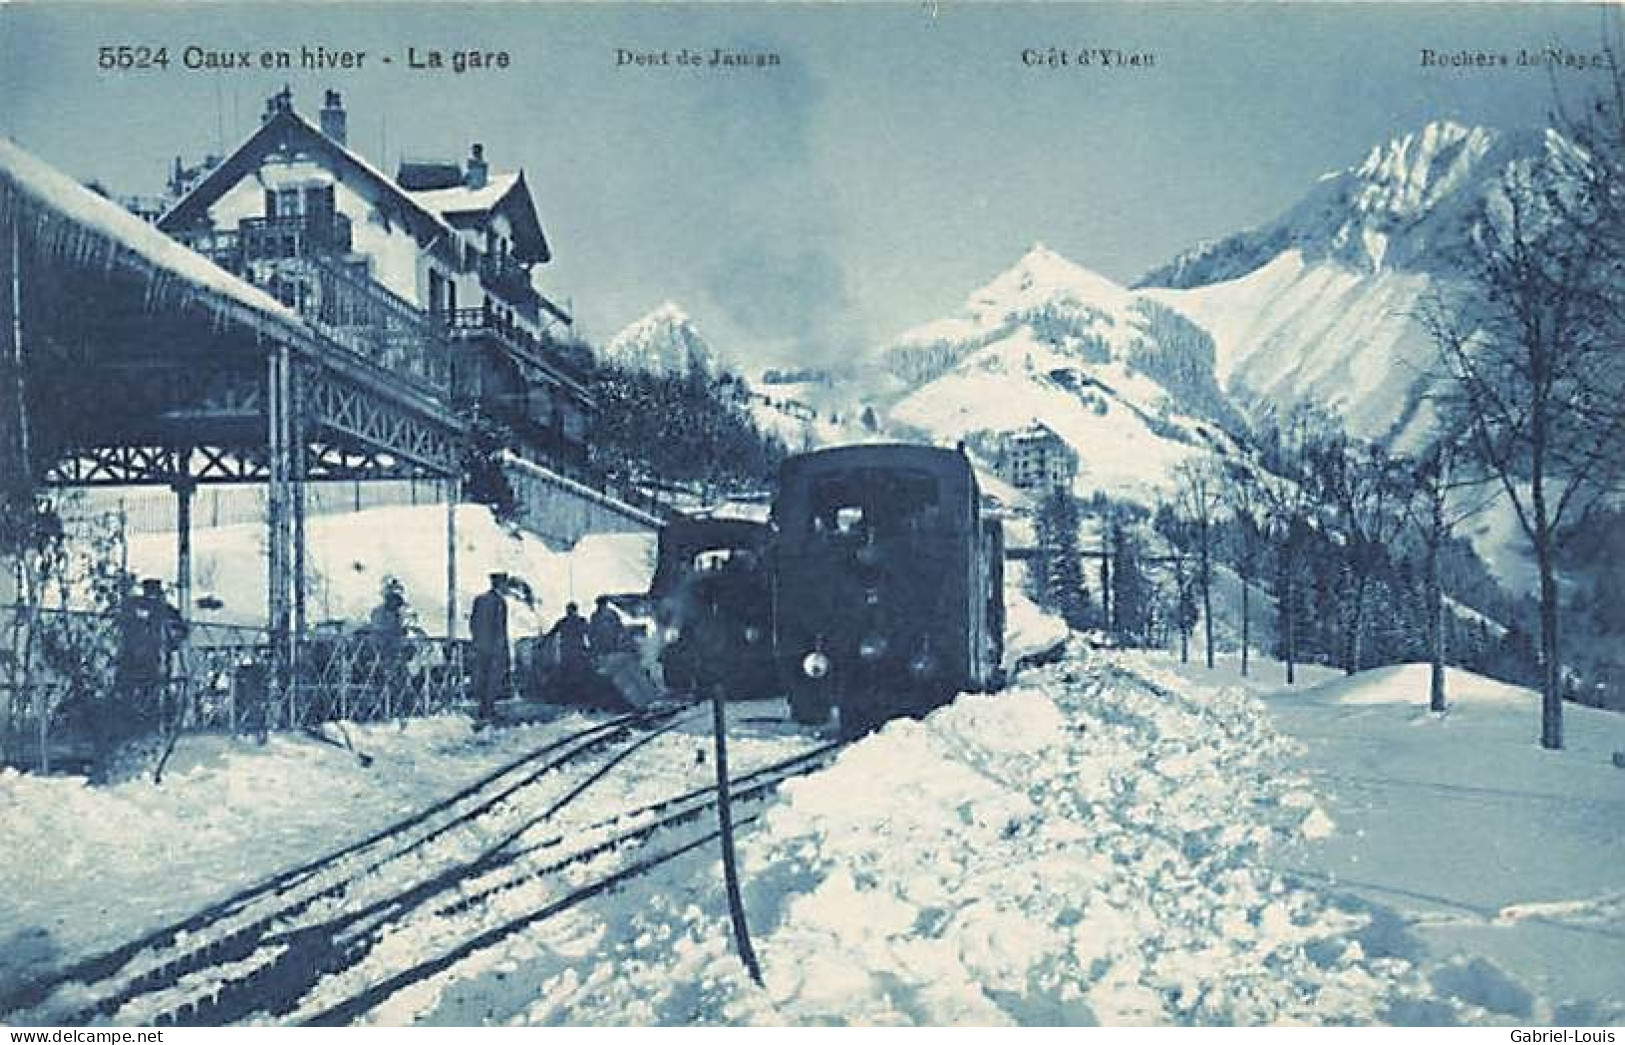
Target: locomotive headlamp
815,665
752,633
873,647
672,633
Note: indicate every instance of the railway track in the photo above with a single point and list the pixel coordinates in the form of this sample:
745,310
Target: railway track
311,953
233,928
668,813
264,950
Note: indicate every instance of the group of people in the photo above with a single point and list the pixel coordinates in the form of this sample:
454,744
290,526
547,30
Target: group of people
151,632
580,643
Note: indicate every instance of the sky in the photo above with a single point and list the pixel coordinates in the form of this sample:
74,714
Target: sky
897,156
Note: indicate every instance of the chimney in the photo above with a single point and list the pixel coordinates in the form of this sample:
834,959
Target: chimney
333,119
280,102
474,178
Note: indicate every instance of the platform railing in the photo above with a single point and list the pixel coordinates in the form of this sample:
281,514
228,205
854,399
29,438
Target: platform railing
218,680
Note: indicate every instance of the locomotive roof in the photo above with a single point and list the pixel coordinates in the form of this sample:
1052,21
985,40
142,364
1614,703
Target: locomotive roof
857,455
699,532
682,538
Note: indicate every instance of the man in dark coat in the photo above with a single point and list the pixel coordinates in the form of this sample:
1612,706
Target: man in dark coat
150,631
605,632
488,625
575,678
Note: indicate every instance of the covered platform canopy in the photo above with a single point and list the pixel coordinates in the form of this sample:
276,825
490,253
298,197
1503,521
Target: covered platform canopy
130,359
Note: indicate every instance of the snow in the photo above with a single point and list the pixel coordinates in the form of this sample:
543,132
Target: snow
1040,277
1411,175
461,199
665,341
1050,341
1118,452
350,554
61,193
1079,849
88,868
1114,839
1493,865
1298,331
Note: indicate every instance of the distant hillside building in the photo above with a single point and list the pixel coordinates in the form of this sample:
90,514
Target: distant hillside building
427,273
1035,458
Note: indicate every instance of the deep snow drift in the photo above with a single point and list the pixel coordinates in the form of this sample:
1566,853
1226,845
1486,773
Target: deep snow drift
1497,865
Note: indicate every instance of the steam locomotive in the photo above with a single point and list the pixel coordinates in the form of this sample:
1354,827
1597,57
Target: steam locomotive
888,583
713,607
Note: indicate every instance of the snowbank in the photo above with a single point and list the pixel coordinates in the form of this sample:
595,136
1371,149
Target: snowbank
1494,865
1085,848
1406,683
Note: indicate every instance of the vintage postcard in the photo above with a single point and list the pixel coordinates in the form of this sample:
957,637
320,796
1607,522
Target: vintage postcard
818,514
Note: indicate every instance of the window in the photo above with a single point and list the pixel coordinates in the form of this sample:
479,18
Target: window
885,502
319,202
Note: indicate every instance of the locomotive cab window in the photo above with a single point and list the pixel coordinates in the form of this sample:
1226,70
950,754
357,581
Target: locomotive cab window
712,560
872,502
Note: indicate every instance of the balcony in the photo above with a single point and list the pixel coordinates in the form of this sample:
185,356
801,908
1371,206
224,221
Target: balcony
511,280
294,237
269,239
543,352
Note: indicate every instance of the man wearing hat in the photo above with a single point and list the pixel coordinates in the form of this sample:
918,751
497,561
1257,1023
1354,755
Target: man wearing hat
488,624
150,630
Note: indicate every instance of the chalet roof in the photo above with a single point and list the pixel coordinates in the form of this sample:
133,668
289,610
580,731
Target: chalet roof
1037,431
460,199
287,129
503,191
417,175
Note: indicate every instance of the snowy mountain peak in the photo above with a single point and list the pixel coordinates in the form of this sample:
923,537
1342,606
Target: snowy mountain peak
1040,276
1319,304
665,341
1124,380
1408,205
1407,176
668,312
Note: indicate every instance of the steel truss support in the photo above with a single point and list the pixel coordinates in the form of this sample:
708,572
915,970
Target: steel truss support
298,462
454,493
375,421
184,487
279,556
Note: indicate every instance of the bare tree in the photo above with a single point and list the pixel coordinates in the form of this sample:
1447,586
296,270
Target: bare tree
1179,533
1244,501
1532,349
1198,501
1435,515
1290,508
1365,489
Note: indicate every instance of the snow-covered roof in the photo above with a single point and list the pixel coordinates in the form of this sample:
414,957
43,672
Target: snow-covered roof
460,199
237,165
59,192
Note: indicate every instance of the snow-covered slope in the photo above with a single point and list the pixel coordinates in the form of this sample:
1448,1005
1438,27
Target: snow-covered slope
1492,864
1126,381
665,341
1321,304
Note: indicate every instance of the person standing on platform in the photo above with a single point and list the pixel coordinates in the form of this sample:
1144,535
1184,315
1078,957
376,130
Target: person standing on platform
488,624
